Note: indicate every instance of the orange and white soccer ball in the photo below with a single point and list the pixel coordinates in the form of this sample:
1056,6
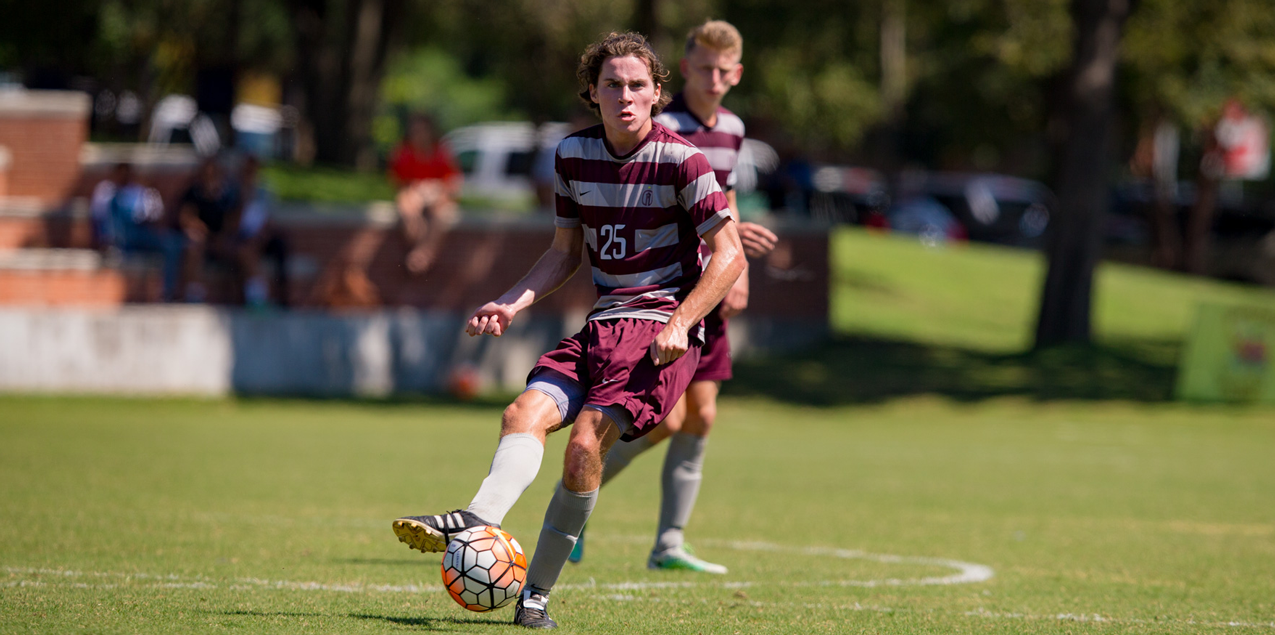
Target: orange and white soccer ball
484,569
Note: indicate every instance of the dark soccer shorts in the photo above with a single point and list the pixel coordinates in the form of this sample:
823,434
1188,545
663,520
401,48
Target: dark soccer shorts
611,361
715,361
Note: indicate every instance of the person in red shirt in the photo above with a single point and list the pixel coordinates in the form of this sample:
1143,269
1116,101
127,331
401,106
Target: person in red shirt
428,182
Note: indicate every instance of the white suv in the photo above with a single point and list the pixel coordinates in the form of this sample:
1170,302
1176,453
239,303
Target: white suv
502,161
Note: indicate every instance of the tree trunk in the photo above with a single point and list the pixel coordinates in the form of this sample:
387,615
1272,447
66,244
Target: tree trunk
646,20
1075,238
1156,161
894,72
341,58
1199,222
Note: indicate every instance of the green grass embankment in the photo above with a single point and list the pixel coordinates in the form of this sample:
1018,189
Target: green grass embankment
958,321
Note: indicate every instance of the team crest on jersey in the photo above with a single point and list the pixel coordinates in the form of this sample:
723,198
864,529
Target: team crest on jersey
646,198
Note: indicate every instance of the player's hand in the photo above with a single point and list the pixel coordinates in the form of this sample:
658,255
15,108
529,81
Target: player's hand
736,299
757,240
491,318
669,345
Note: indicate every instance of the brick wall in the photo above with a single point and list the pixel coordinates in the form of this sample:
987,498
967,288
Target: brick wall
44,132
6,159
480,260
103,288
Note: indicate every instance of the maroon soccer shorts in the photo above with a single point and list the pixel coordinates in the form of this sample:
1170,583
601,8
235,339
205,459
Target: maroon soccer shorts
715,361
611,359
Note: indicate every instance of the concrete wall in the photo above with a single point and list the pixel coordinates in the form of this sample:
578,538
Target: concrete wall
218,351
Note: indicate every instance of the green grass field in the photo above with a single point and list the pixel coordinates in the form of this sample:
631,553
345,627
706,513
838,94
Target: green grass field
871,486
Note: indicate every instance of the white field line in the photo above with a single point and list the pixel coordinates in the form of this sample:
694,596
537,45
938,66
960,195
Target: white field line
967,573
615,592
173,581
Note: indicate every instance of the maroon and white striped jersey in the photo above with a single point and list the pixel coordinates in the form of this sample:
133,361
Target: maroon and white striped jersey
642,215
720,143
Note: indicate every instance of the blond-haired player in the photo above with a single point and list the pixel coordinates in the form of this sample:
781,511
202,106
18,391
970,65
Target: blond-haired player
711,67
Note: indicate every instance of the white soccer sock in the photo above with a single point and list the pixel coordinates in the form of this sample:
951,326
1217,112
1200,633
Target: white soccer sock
514,467
564,520
683,472
621,454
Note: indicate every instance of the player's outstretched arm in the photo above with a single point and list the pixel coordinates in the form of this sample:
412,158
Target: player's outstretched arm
554,268
722,271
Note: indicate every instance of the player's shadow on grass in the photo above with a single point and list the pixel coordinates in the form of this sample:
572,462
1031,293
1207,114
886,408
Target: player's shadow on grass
266,613
854,370
457,624
433,623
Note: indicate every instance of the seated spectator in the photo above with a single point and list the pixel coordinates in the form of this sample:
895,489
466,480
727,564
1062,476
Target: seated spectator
207,216
257,237
132,224
428,182
100,202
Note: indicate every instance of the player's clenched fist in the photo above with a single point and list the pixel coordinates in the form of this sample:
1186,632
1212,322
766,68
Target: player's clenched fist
669,345
491,318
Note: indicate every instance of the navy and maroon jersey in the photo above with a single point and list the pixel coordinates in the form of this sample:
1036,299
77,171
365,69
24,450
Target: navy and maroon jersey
720,143
643,215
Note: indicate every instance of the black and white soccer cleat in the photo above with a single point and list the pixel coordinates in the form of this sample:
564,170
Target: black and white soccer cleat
432,533
533,611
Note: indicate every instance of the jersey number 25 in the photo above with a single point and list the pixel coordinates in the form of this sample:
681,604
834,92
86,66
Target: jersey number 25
615,246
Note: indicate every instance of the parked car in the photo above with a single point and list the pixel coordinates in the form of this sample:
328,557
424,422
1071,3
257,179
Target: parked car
994,208
498,159
1243,231
829,193
502,161
927,219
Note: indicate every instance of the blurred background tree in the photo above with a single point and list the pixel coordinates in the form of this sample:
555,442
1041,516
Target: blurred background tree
1184,61
995,85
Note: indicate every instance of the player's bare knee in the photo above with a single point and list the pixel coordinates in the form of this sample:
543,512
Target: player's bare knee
525,415
706,415
701,419
582,465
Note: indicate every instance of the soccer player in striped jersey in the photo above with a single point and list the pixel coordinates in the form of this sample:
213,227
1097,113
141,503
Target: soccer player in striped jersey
641,200
711,67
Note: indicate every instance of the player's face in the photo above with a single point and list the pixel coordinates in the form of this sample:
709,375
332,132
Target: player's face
625,93
710,73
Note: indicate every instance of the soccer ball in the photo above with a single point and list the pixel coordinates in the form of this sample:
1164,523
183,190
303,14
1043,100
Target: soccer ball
484,569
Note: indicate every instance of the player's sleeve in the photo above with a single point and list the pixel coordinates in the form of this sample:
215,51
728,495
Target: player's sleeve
566,208
699,194
732,179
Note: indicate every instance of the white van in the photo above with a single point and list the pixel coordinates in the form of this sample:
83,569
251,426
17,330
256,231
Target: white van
502,161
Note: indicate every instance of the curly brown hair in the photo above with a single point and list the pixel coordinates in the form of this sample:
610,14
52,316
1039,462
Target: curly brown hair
621,45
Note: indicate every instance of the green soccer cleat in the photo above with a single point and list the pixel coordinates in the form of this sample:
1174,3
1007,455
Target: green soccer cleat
683,560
